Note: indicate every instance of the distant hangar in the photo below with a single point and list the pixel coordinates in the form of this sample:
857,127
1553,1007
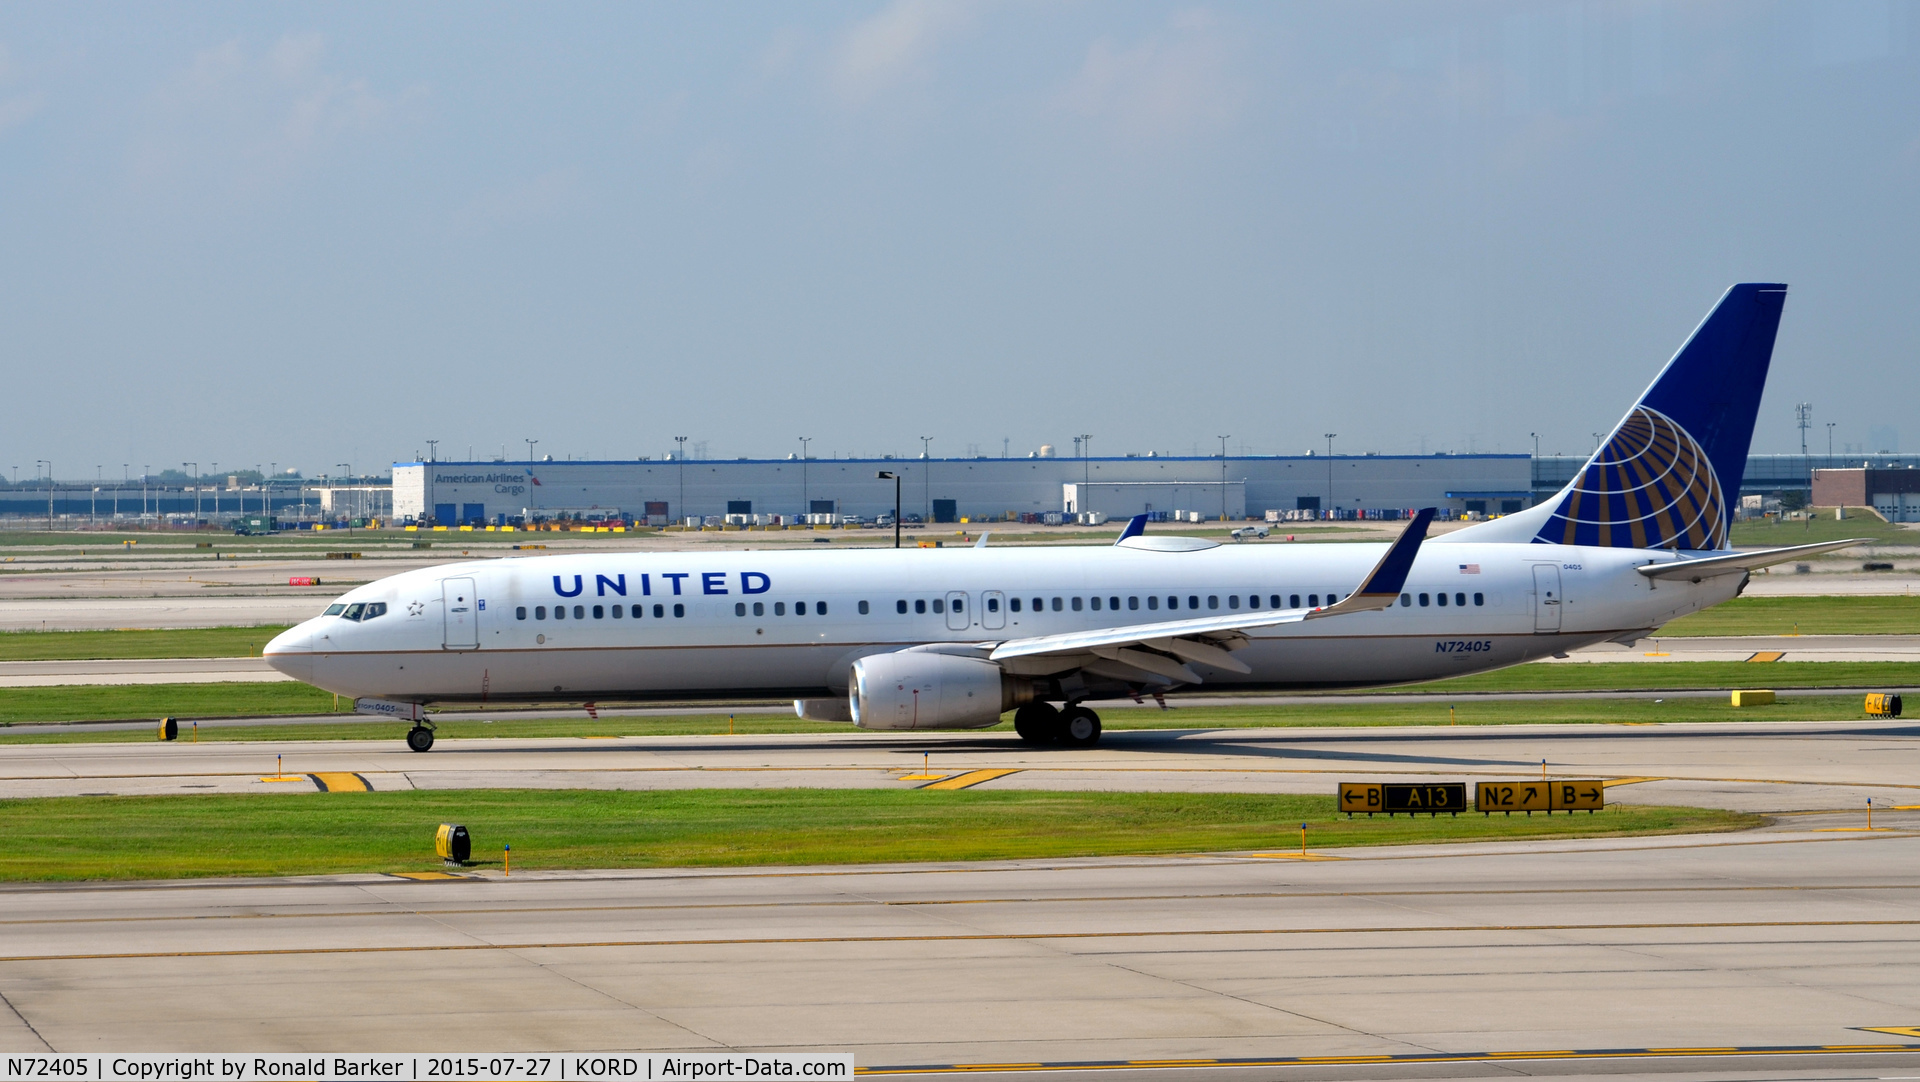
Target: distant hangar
948,489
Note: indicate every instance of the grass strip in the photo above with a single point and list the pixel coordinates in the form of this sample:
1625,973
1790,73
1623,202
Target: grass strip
68,838
94,702
1667,675
1773,533
1886,615
134,644
1648,709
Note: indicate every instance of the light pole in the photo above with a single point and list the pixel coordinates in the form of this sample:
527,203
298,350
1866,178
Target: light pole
680,459
348,466
926,476
1086,468
433,449
1330,436
37,463
529,444
145,468
93,501
216,489
266,507
1830,425
193,472
805,507
885,475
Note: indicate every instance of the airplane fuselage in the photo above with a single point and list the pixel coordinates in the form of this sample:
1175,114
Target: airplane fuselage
790,624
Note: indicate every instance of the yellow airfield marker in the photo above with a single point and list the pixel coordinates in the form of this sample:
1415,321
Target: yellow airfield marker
926,770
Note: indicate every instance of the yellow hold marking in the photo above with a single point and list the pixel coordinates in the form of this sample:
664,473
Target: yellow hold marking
970,779
341,782
1768,655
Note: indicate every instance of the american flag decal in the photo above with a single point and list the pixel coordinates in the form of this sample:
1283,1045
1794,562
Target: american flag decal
1469,569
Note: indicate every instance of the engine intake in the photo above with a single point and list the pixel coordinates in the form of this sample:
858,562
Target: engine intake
914,689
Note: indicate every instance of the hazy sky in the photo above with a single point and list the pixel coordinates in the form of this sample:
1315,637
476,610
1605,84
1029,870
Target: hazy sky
318,233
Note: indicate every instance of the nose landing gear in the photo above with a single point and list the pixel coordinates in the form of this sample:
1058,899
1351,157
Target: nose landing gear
420,737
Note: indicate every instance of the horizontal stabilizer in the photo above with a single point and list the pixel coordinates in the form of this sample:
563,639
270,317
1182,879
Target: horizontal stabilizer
1736,562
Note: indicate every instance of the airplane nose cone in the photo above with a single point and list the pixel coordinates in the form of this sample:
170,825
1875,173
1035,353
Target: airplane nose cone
291,652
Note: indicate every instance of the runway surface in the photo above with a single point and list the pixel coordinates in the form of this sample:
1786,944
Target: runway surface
1778,767
1720,942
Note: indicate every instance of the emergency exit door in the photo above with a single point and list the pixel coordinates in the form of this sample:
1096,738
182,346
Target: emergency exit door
1546,598
461,613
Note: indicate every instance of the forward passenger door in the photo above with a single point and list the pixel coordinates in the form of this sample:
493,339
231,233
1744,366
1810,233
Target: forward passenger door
462,622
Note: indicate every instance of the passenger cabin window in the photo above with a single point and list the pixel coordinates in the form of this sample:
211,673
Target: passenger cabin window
1405,600
1193,602
1253,601
539,612
1313,601
1096,605
1293,601
779,608
1153,602
1233,601
1423,601
1133,603
1442,599
919,606
1479,599
1113,603
865,608
799,608
1460,599
1213,601
579,612
599,612
661,610
1013,603
559,612
1275,601
739,608
1076,604
1056,604
939,605
759,608
820,608
900,607
616,612
678,611
1040,605
520,613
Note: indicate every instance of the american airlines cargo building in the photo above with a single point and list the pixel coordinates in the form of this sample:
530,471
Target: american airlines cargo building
948,489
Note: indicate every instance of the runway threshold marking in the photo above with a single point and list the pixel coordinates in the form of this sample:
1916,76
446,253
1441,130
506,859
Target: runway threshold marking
341,782
1407,1057
970,779
961,937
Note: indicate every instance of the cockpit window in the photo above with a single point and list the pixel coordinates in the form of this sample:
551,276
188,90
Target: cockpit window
353,611
374,608
334,609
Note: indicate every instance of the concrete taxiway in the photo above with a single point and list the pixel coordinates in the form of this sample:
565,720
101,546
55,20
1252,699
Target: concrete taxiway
1511,956
1774,767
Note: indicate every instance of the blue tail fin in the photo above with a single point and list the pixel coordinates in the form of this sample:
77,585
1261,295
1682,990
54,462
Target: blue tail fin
1662,478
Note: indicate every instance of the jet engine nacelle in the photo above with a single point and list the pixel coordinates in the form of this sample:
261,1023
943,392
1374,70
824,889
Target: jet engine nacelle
915,689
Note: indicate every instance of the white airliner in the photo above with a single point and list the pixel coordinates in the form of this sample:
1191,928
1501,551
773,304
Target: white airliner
952,638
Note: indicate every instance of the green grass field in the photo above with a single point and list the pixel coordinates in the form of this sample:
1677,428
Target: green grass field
1647,709
1770,534
132,644
306,834
30,705
1888,615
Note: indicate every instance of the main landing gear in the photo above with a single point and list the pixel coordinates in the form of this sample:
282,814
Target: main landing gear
1041,724
420,737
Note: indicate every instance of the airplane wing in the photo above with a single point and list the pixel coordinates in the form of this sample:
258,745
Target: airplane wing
1164,648
1738,562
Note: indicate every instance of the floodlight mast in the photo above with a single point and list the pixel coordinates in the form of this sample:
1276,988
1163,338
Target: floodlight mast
884,475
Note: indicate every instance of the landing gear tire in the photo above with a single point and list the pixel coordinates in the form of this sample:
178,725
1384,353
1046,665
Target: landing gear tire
1037,723
1079,727
420,738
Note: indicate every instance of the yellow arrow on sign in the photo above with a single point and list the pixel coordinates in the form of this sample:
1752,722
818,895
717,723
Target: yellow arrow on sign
1897,1031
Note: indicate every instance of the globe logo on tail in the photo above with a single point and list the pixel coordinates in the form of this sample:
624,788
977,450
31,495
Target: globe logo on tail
1651,486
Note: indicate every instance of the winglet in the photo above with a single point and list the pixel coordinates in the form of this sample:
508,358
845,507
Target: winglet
1383,583
1136,526
982,542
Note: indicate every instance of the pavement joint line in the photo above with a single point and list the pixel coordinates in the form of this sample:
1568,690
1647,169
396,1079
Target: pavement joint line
961,937
911,903
1400,1058
1630,780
